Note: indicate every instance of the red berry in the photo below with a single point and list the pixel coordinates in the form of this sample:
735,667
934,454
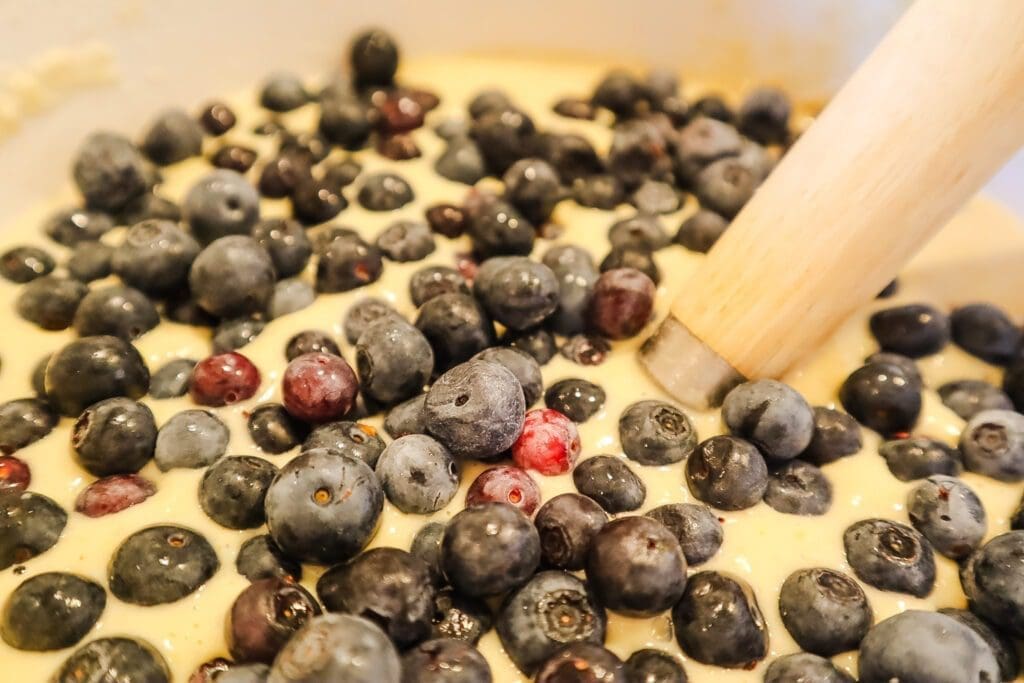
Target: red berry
400,113
14,474
446,219
112,494
622,302
222,379
549,442
467,266
319,387
505,484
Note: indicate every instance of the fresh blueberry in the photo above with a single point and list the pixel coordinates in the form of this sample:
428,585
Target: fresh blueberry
116,310
622,303
161,564
114,436
577,399
323,506
316,201
89,261
764,116
30,524
925,646
289,296
406,240
1013,383
567,524
890,556
553,609
636,567
235,333
346,121
264,616
286,242
836,435
724,186
631,257
598,191
51,611
655,197
451,128
619,91
394,360
487,101
913,330
346,264
232,490
654,666
190,439
221,203
149,206
520,364
374,58
460,617
1017,518
273,430
919,457
110,171
406,418
343,173
91,369
949,514
475,409
114,660
387,586
697,529
432,281
283,174
363,313
582,662
994,583
283,92
24,421
533,187
517,292
1002,647
337,647
445,660
824,610
260,558
992,444
314,147
727,472
719,622
418,474
702,142
496,228
968,397
772,415
904,363
609,481
183,309
656,433
985,331
350,438
456,327
384,192
714,107
489,549
757,158
24,264
505,135
798,488
461,161
882,397
73,226
802,666
310,341
638,151
51,301
426,545
574,267
173,136
537,342
233,276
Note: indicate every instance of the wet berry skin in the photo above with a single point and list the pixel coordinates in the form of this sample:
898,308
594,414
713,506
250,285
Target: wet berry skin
549,442
836,435
582,662
30,524
24,421
374,58
719,621
273,430
890,556
161,564
191,439
50,301
985,331
577,399
265,615
318,387
824,610
310,341
232,490
223,379
112,494
505,484
133,660
459,617
418,474
24,264
654,666
457,328
15,475
337,647
445,660
881,397
656,433
567,524
91,369
489,549
350,438
609,481
913,330
51,611
260,558
348,263
622,302
919,457
114,436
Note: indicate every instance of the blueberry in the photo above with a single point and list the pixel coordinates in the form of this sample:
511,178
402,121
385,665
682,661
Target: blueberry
343,173
387,586
496,228
517,292
622,303
432,281
824,610
992,582
310,341
426,545
235,333
260,558
337,647
949,514
553,609
149,206
636,567
537,342
39,378
172,137
805,667
406,418
363,313
582,662
346,264
24,421
418,474
290,296
650,665
394,360
598,191
161,564
30,524
451,128
183,309
51,611
114,660
374,58
913,330
836,435
574,108
314,147
609,481
968,397
346,121
641,231
638,151
283,174
798,488
1002,647
757,158
115,310
619,91
992,444
264,616
384,192
656,433
460,617
89,261
456,327
925,646
634,258
703,141
725,186
520,364
727,472
461,161
714,107
656,197
286,242
985,331
237,261
221,203
323,506
73,226
696,528
349,438
110,171
1017,518
489,549
532,186
505,135
217,118
719,622
232,490
273,430
577,399
315,202
890,556
487,101
919,457
904,363
772,415
406,240
567,524
577,274
190,439
283,92
764,116
50,301
91,369
114,436
445,660
882,397
475,409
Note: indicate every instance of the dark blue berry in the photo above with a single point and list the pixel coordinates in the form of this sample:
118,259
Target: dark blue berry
609,481
432,281
802,666
461,161
798,488
520,364
337,647
114,660
719,622
363,313
51,301
264,616
89,261
24,421
283,174
234,158
577,399
110,171
460,617
273,430
655,197
631,257
384,192
51,611
727,472
406,418
701,142
30,524
114,436
172,137
537,342
656,433
161,564
426,545
496,228
574,267
346,121
489,549
374,58
890,556
913,330
445,660
286,242
919,457
290,296
638,151
311,341
190,439
235,333
949,514
567,524
532,186
487,101
994,583
764,116
349,438
260,558
714,107
575,160
574,108
149,206
697,529
1003,647
91,369
882,397
986,332
598,191
515,291
343,173
836,435
904,363
772,415
394,360
992,444
418,474
585,349
824,610
504,135
115,310
316,201
221,203
232,490
346,264
456,327
406,240
725,186
654,666
283,92
72,226
232,276
968,397
619,91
